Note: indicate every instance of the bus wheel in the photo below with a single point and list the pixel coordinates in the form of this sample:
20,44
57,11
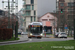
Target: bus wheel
29,37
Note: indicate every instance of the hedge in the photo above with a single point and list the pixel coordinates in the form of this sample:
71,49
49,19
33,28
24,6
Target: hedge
5,33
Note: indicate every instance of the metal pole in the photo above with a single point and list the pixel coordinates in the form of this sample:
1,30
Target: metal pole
8,14
16,18
74,29
74,19
57,15
71,20
54,24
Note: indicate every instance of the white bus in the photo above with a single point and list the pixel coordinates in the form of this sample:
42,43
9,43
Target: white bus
35,30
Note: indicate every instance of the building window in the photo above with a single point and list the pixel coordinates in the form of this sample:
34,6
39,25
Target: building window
70,4
32,1
27,7
70,17
24,3
31,18
27,13
70,10
44,20
32,7
61,0
34,12
51,19
61,4
34,18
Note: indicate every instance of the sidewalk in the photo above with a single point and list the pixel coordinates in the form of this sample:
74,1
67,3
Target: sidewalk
22,39
48,36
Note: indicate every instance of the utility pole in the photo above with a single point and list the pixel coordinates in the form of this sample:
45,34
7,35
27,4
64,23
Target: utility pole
71,16
16,27
57,16
74,29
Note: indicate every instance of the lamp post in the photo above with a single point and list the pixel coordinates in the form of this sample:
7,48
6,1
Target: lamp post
54,23
16,27
57,15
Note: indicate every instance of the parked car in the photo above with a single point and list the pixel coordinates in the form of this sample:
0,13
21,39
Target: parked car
24,33
19,33
62,35
56,34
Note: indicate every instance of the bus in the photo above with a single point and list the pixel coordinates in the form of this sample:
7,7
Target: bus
35,30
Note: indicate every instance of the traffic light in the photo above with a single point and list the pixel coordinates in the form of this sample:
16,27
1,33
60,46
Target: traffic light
61,10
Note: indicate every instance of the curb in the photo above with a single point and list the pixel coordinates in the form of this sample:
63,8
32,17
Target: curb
48,37
8,42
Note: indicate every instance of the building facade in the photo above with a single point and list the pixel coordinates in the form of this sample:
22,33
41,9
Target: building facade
49,22
65,18
30,11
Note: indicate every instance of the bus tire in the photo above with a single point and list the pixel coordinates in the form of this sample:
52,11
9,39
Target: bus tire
29,37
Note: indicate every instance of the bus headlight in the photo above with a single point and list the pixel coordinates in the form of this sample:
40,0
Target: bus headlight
31,34
41,34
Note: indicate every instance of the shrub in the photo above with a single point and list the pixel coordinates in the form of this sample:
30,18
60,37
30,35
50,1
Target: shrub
5,33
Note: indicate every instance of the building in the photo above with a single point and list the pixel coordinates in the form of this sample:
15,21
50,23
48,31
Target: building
30,11
49,22
65,18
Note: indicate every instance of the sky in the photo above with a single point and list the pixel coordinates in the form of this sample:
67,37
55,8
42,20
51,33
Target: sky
43,6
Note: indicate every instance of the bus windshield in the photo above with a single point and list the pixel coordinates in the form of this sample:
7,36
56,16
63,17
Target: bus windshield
36,29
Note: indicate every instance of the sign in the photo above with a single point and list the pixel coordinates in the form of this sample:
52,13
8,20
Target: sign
66,27
47,23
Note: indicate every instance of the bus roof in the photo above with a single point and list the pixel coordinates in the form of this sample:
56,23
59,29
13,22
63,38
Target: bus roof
35,23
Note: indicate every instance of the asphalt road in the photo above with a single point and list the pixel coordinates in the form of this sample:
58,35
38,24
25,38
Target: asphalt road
38,40
48,39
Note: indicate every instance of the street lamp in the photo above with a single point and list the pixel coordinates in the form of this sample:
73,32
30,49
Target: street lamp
54,23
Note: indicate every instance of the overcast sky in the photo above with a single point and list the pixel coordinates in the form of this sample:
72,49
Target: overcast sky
43,6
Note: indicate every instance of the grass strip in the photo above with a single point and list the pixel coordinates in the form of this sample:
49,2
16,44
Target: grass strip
53,45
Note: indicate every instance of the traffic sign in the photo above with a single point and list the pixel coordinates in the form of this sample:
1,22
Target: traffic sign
66,27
